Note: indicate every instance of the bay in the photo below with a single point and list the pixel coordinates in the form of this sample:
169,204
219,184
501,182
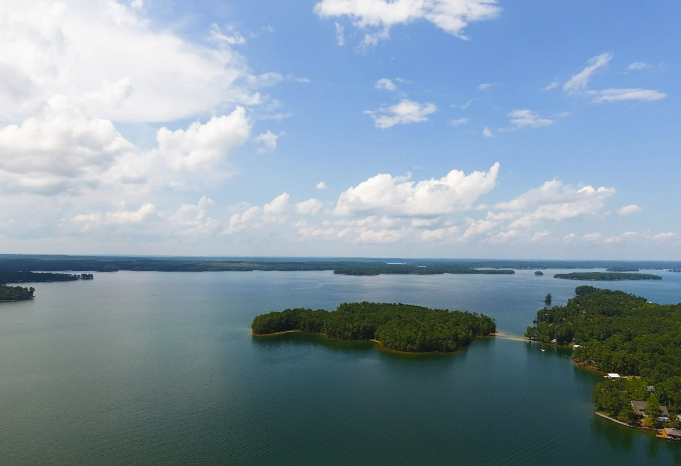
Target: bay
160,368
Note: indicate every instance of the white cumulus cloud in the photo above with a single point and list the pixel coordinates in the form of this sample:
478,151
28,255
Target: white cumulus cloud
204,145
118,217
58,150
523,118
309,207
386,84
378,16
403,113
399,197
628,210
279,205
193,219
267,141
553,201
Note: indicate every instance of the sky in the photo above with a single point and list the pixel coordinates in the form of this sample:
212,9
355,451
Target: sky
359,128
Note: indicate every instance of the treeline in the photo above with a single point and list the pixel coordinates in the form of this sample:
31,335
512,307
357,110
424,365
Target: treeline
622,268
15,293
13,263
400,327
35,277
606,276
412,269
622,333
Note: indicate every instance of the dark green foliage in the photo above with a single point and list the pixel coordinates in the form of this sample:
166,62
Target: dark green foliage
606,276
539,272
15,293
400,327
614,397
33,277
548,299
623,333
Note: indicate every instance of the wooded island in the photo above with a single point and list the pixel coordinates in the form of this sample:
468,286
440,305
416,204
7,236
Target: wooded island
399,327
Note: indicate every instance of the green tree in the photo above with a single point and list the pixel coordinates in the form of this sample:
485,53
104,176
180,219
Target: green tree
548,298
652,410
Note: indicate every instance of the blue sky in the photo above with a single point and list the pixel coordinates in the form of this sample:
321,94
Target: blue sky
439,128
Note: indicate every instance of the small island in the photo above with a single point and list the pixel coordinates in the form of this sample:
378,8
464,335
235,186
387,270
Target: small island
634,341
15,293
539,273
398,327
606,276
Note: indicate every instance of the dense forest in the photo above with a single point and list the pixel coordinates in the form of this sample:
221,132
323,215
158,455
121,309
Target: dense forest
15,293
33,277
606,276
622,333
400,327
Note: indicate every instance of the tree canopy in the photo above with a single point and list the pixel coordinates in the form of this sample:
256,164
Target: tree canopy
15,293
622,333
400,327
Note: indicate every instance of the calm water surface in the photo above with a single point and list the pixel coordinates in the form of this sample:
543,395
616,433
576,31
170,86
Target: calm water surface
159,368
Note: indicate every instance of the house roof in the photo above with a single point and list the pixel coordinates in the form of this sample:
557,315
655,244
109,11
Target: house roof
672,432
640,407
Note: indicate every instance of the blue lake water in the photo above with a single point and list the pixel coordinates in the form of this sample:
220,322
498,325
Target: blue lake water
160,368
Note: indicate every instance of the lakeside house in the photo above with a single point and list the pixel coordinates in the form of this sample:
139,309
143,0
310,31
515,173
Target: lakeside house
672,434
640,409
613,376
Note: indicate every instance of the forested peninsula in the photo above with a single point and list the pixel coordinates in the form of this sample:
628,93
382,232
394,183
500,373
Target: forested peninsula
606,276
398,327
621,333
41,277
19,293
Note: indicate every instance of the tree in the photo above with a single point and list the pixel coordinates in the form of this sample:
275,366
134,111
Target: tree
548,298
652,410
627,414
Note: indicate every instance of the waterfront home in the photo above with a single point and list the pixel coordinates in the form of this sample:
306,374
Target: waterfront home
672,434
613,376
640,409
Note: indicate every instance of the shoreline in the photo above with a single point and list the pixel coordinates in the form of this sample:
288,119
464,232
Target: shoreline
382,347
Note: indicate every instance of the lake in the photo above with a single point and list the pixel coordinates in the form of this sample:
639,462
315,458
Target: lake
152,368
